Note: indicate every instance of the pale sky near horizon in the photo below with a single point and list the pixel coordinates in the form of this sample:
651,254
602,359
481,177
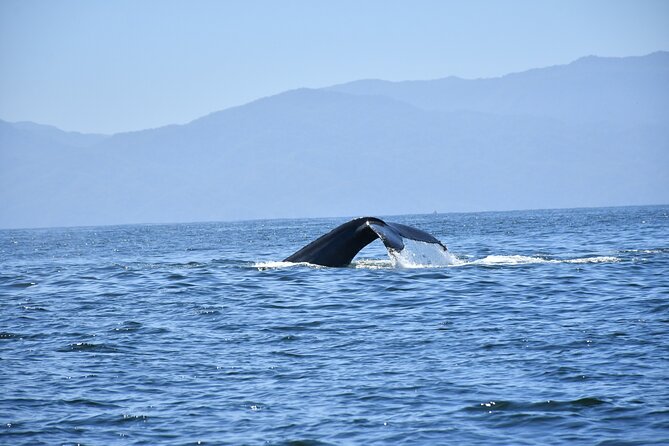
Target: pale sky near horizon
103,66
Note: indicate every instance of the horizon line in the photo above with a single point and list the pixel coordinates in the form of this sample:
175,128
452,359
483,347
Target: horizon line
331,217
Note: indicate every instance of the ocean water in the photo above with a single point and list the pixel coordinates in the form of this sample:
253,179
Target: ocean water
549,327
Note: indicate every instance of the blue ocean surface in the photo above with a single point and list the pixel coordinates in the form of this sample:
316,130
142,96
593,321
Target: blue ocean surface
552,327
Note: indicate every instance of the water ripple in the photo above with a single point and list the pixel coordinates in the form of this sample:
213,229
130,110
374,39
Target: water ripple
551,327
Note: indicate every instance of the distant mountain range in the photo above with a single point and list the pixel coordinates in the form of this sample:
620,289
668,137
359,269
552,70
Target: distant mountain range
591,133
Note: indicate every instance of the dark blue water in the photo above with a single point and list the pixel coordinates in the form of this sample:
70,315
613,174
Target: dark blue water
552,328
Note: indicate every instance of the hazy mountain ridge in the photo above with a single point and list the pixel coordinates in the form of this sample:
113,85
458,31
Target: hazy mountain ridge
590,89
368,147
74,139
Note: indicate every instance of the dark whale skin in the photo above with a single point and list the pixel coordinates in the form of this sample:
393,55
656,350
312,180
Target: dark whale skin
339,246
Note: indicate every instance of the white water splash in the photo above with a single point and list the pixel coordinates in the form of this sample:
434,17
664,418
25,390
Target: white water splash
494,260
418,254
372,264
275,265
602,259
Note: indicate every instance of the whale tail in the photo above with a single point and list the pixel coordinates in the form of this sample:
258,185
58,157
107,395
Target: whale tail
339,246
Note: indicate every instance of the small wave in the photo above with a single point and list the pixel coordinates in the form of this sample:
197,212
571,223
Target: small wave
508,260
430,256
133,417
646,251
89,403
128,326
8,335
89,347
34,308
542,406
22,284
499,260
275,265
603,259
207,310
357,264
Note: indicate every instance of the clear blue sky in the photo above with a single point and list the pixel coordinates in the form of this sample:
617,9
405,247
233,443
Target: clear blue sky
110,66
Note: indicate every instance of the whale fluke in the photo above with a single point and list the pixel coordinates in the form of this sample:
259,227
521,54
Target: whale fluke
339,246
